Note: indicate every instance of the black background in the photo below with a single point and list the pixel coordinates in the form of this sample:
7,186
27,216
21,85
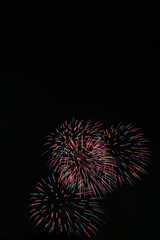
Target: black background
92,63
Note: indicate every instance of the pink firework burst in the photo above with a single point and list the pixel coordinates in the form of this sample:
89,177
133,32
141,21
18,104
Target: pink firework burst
79,155
128,146
56,209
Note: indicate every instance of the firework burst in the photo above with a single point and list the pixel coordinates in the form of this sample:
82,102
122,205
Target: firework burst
56,209
128,147
79,155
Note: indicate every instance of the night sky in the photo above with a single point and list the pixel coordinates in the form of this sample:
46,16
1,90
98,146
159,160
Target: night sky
56,65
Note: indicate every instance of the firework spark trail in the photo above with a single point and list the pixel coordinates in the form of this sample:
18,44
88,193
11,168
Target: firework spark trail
56,209
129,148
79,155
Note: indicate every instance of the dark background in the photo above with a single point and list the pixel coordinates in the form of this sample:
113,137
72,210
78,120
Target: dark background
91,63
